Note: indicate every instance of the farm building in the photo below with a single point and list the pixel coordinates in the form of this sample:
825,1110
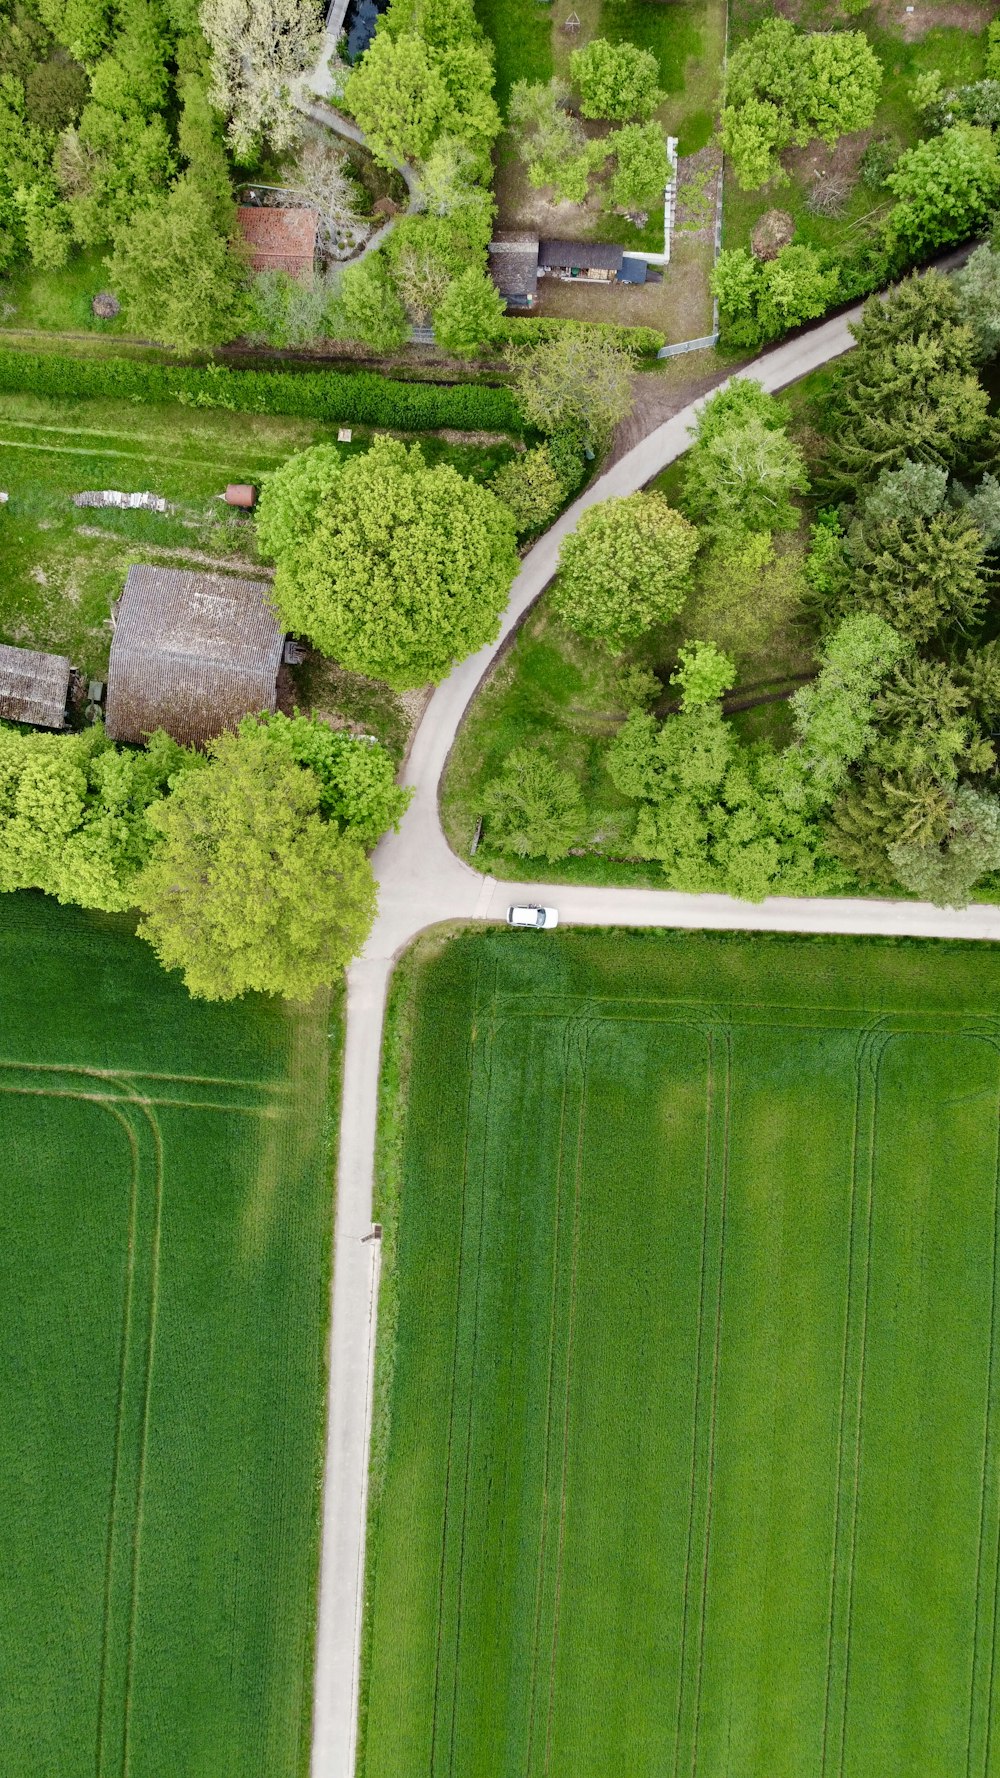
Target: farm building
280,238
191,653
33,687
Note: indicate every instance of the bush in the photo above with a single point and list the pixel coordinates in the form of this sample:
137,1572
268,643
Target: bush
359,396
531,486
945,188
530,330
759,302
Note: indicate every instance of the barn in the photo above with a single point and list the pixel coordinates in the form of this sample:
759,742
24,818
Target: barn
33,687
191,653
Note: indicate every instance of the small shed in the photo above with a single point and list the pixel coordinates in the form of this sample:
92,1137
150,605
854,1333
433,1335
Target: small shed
598,261
191,653
33,687
280,238
513,266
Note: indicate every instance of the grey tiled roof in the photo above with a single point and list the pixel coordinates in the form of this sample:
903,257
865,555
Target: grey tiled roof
513,263
191,653
33,687
563,255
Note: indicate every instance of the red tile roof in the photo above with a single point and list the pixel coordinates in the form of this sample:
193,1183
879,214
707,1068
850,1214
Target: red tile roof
279,240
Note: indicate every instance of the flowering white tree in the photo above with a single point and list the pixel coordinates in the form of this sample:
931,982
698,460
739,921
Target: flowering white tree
259,48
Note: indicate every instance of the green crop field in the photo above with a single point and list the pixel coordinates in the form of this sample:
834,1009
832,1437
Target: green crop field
686,1455
164,1259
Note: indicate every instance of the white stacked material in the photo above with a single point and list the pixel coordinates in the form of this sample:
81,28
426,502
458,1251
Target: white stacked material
113,497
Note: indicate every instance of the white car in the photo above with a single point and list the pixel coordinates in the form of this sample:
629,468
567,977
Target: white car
528,914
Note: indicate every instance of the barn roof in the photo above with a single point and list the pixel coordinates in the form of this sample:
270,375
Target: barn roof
587,255
191,653
33,687
279,239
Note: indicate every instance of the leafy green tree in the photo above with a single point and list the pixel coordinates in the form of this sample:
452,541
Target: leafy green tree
626,567
616,80
752,134
977,286
83,26
358,792
703,673
398,569
470,314
946,871
115,164
73,813
641,166
713,813
834,716
46,225
177,279
825,568
945,187
249,888
530,486
576,383
552,144
368,307
398,96
742,469
759,300
923,577
535,807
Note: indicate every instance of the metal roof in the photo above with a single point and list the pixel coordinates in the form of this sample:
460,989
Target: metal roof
191,653
33,687
632,270
587,255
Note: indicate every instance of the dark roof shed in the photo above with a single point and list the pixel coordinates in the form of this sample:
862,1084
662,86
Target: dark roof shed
603,256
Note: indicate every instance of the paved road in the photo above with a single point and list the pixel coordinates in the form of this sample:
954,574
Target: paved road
422,882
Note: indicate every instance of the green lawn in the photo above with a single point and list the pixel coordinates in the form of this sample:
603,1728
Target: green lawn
63,566
165,1203
686,1458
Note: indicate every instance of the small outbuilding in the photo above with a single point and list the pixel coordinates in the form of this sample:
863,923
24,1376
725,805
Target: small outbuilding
598,261
280,238
191,653
513,266
33,687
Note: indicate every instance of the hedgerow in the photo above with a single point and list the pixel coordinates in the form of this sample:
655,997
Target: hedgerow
530,330
359,396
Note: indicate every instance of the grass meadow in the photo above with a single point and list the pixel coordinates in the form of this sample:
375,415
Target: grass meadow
686,1445
164,1258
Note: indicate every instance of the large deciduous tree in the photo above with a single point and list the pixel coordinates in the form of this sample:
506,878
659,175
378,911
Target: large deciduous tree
395,569
249,888
615,80
945,187
785,86
259,49
575,383
626,567
399,97
743,468
535,807
177,279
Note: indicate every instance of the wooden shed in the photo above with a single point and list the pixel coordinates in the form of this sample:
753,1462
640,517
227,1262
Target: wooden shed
192,653
33,687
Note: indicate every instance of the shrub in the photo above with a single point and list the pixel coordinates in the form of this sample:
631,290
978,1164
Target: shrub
626,567
534,808
616,80
530,330
945,188
531,487
359,396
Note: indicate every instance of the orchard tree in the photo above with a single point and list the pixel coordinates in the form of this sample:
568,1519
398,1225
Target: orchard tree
785,86
752,134
641,166
530,486
394,569
577,382
178,281
250,889
945,187
471,313
626,567
368,306
703,674
535,807
259,49
552,144
398,97
616,80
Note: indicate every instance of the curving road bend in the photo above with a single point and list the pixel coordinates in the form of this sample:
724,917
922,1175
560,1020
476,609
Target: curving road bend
422,882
